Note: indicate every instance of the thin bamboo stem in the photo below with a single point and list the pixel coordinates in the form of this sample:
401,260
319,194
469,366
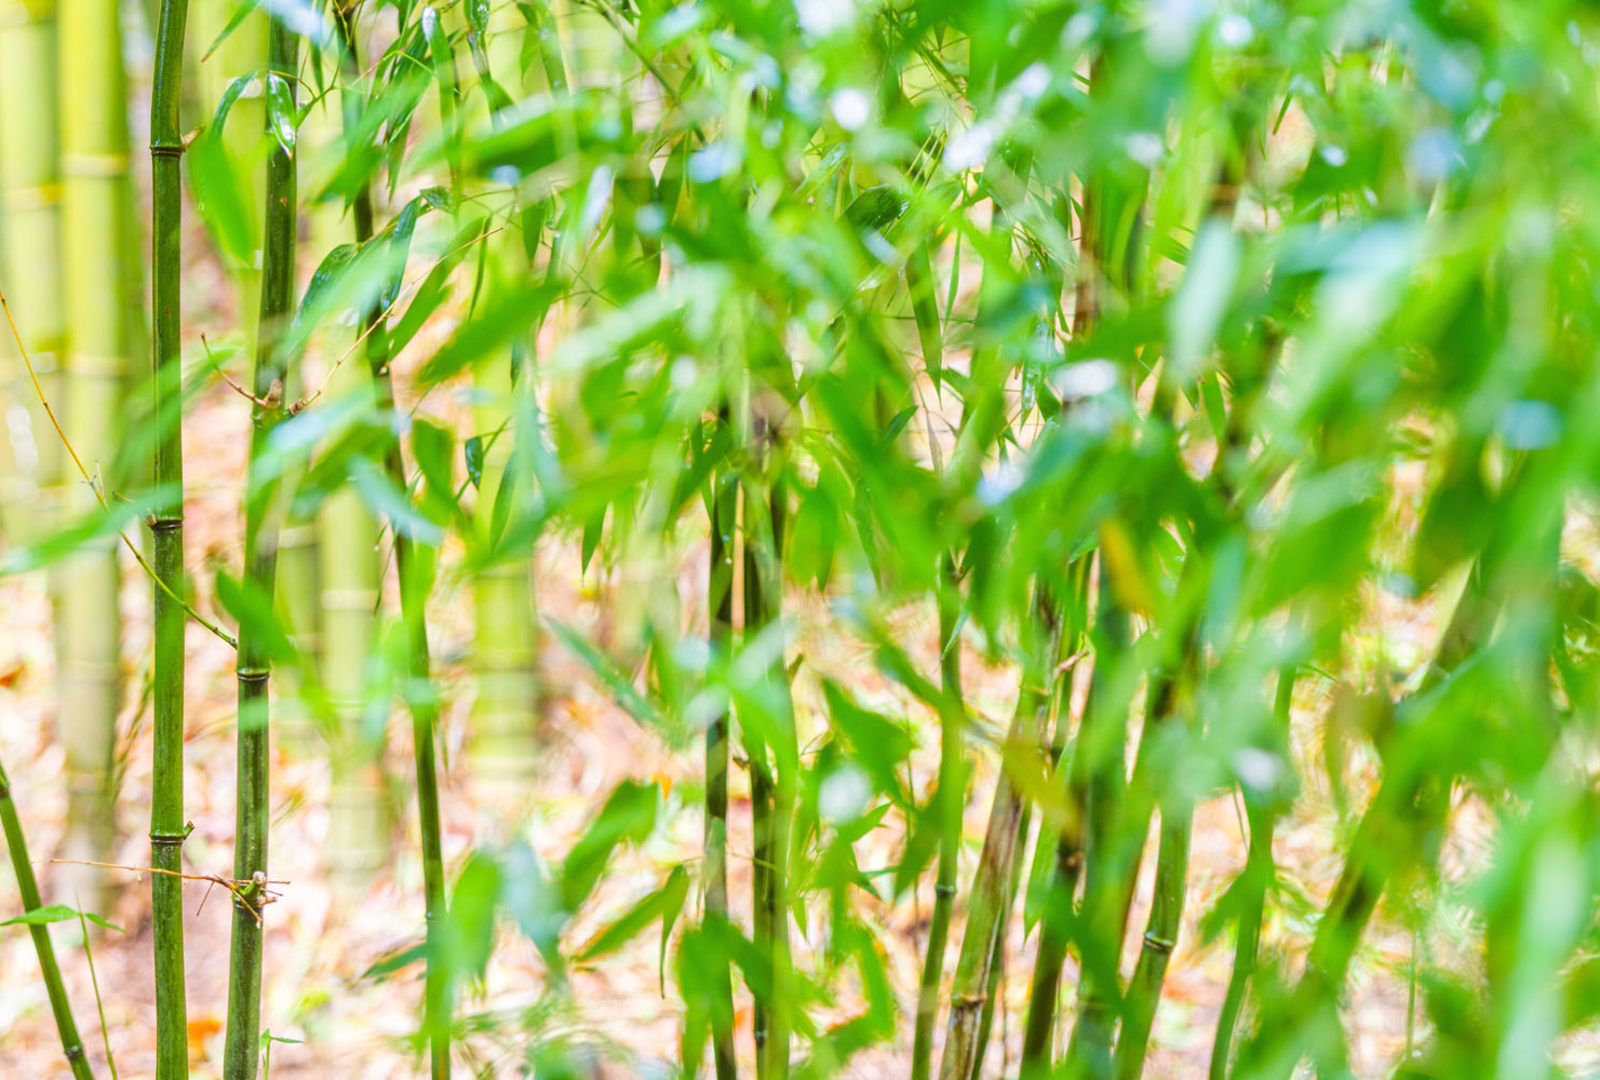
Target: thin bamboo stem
771,778
55,989
989,903
991,1002
724,510
31,193
1400,813
413,610
262,521
167,827
349,569
1057,926
1257,879
1102,745
1160,938
97,266
947,807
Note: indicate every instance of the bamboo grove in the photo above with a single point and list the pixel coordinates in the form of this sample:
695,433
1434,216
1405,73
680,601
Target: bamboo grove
1012,435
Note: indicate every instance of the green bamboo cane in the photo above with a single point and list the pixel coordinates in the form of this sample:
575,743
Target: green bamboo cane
763,870
96,260
505,634
997,963
1401,814
1177,812
297,582
242,1051
1066,868
349,569
167,827
71,1043
18,482
947,807
1102,741
240,53
771,774
724,509
413,611
989,902
1257,878
1166,914
30,193
505,629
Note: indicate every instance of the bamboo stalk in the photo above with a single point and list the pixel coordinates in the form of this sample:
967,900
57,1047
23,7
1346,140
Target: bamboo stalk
167,827
505,709
989,903
242,1051
1257,878
298,583
96,262
349,570
997,964
240,53
948,802
505,633
1400,813
413,613
724,510
1066,868
1102,744
30,194
771,776
55,989
1161,935
1073,844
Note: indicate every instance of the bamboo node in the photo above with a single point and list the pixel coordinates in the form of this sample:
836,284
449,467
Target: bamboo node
1156,943
942,889
166,149
162,839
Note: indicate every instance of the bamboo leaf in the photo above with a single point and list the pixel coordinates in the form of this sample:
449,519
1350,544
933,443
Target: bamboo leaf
662,903
629,814
282,117
54,913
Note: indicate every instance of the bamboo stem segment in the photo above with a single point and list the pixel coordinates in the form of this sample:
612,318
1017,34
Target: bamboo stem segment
772,764
30,196
60,1007
989,905
949,796
97,268
413,575
242,1050
167,826
724,511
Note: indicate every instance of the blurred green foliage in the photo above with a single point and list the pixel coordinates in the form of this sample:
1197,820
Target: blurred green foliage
1234,330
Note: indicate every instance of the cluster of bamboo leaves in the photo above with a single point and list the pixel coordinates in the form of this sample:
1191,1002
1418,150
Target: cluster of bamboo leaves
1163,350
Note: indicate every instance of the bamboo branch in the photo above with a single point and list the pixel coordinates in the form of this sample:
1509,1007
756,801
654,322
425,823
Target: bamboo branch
99,494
